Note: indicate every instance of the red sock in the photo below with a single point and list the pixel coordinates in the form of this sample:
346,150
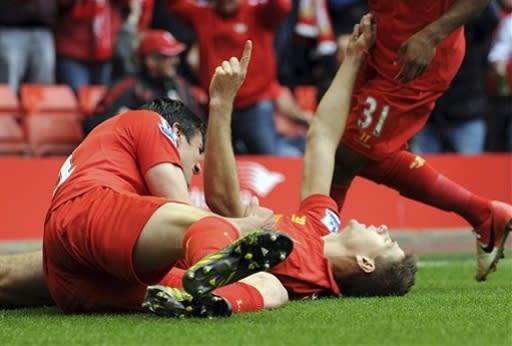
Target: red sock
173,278
339,194
241,296
206,236
414,178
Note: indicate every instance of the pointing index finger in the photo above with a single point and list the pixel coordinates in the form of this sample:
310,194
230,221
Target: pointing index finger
246,55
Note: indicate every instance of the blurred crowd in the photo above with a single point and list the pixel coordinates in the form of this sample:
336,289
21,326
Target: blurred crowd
142,49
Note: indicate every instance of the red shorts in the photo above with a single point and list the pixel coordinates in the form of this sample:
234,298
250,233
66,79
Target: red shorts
384,116
87,251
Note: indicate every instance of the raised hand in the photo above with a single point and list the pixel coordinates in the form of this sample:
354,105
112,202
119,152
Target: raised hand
363,35
229,76
415,55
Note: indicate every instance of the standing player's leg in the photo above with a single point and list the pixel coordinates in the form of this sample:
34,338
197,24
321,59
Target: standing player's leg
377,132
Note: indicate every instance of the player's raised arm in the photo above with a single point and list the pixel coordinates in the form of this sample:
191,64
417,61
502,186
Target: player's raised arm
328,124
221,185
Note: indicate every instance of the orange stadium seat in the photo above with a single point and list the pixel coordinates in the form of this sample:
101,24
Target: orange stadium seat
88,98
52,118
53,134
12,137
43,99
9,102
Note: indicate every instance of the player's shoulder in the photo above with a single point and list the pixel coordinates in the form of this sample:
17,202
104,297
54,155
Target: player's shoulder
139,120
140,115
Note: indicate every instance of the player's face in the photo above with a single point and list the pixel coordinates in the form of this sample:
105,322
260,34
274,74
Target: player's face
191,154
371,241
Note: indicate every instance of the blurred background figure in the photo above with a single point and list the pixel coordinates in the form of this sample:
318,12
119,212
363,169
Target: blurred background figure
500,81
307,42
123,59
458,121
86,33
27,49
156,76
292,121
221,28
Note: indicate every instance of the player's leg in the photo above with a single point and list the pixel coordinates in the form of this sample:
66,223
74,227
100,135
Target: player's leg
22,281
253,293
414,178
386,121
128,241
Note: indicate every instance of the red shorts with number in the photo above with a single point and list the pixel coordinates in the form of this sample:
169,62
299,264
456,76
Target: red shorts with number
384,116
87,251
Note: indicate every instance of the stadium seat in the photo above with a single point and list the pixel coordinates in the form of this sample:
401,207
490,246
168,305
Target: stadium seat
43,99
53,134
52,118
88,98
12,137
9,102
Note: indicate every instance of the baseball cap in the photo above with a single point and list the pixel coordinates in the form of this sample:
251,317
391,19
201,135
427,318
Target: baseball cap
161,42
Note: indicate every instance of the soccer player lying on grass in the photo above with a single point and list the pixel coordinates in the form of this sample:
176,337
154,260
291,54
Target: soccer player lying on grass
359,260
363,261
113,277
114,225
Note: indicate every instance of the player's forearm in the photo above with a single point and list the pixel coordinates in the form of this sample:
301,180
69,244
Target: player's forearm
221,186
337,98
327,127
457,15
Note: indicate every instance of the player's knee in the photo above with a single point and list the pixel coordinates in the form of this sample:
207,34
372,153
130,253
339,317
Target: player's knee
271,289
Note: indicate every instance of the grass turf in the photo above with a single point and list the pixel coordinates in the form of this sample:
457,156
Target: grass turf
445,307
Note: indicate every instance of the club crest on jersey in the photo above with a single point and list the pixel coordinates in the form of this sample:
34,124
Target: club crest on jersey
166,129
332,221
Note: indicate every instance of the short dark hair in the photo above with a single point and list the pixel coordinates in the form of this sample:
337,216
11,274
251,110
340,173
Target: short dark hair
175,111
390,278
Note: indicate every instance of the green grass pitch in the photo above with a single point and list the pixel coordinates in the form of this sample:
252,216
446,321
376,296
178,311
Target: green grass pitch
445,307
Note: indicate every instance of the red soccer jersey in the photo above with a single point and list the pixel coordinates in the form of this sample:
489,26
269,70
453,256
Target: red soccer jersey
117,154
306,272
220,38
397,21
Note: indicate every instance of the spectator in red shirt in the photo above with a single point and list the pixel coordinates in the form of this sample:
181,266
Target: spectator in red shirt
223,26
85,34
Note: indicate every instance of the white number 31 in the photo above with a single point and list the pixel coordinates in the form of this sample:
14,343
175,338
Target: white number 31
368,113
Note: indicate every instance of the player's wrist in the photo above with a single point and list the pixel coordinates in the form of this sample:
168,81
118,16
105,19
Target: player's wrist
357,55
432,33
220,104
